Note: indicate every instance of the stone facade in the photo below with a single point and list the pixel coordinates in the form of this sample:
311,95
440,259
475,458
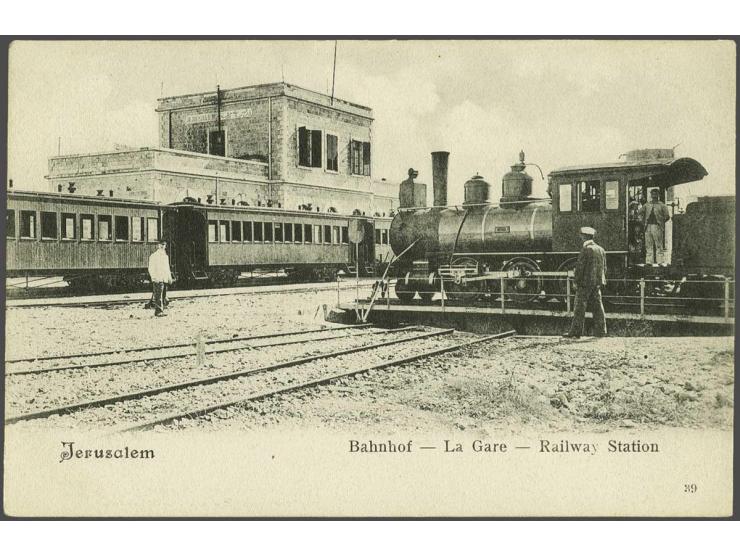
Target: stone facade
259,130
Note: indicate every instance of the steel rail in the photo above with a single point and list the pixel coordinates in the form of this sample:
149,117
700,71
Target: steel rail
188,354
180,345
70,408
308,384
104,303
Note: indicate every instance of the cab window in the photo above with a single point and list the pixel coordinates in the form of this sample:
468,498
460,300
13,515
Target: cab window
565,197
611,190
589,196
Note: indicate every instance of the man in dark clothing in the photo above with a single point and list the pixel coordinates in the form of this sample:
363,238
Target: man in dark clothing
590,278
653,217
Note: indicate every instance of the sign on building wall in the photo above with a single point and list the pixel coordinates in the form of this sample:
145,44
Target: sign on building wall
211,116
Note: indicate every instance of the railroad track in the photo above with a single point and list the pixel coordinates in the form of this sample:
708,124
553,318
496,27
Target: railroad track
179,348
160,405
174,296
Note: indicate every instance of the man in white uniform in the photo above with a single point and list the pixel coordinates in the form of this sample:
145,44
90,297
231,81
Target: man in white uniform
159,273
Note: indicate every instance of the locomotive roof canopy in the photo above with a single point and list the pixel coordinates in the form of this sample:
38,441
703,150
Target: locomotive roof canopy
661,172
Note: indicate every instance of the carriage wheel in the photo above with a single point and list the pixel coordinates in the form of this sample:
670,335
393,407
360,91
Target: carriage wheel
523,287
403,291
426,297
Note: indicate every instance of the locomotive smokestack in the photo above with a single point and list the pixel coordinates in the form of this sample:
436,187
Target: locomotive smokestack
439,177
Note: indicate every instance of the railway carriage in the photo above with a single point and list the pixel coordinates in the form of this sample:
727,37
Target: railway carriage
100,243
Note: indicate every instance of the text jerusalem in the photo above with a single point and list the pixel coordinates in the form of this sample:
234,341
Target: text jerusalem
544,446
70,452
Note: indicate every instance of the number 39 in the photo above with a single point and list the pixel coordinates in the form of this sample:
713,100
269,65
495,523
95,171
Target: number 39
689,488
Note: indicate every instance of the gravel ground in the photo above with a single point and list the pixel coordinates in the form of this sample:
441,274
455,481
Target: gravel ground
516,384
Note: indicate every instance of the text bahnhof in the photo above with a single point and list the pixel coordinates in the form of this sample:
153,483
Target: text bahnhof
559,446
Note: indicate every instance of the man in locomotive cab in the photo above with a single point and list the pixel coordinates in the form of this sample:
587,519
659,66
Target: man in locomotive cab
160,275
590,278
653,216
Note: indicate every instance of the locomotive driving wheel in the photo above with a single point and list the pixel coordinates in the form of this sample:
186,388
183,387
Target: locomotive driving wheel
523,286
561,286
456,289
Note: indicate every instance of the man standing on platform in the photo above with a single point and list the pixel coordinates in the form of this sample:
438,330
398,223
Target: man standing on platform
590,278
159,273
653,216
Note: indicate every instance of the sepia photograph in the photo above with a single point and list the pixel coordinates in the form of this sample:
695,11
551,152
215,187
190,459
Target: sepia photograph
338,277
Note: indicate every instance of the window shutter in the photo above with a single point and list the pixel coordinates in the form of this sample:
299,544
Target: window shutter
316,148
304,153
366,158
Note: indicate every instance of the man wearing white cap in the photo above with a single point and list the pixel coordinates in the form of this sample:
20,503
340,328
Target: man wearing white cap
590,278
160,275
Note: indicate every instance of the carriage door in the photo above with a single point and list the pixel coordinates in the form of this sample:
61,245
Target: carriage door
191,242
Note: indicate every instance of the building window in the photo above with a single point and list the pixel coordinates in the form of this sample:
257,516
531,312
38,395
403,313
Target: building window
278,232
121,229
137,229
377,235
258,232
152,230
217,143
565,198
86,227
212,231
247,227
612,195
327,234
384,237
345,235
268,232
69,226
288,232
48,226
236,231
589,196
224,231
335,235
10,223
104,227
332,153
309,147
317,233
360,158
309,237
299,233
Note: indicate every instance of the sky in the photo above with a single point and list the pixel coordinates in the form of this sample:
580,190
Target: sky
562,102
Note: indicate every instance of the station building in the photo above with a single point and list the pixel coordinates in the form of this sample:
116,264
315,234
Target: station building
275,145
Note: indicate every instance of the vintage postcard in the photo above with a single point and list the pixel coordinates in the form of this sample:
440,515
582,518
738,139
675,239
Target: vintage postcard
370,278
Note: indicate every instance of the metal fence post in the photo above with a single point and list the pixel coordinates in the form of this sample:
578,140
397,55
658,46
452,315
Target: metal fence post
567,293
338,300
727,298
442,291
642,296
503,295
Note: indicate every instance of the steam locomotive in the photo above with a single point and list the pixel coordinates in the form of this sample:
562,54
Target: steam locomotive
524,247
100,243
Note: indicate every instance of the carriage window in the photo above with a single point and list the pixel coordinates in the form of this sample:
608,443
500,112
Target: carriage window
28,224
385,237
137,229
309,237
589,196
224,231
236,231
247,227
335,235
327,234
48,226
268,232
612,195
278,232
104,227
317,233
10,224
152,229
299,233
345,235
86,227
121,229
212,231
566,198
288,232
257,231
69,226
